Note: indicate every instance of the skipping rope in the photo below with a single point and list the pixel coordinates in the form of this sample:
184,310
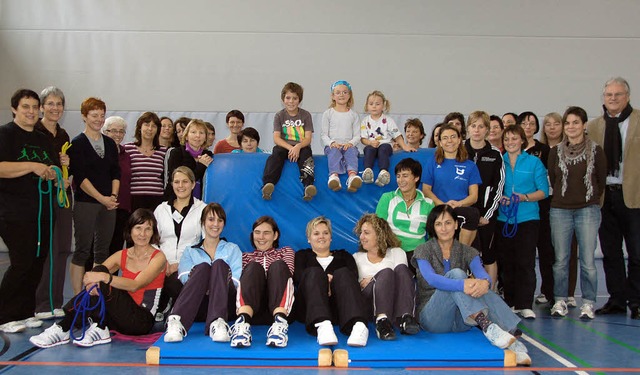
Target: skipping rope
82,305
509,207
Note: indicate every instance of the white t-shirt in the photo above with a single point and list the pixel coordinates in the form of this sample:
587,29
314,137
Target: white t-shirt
395,256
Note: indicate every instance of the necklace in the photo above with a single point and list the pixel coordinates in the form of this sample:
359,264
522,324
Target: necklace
134,253
409,201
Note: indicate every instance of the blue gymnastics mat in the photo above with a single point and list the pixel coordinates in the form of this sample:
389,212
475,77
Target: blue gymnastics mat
467,349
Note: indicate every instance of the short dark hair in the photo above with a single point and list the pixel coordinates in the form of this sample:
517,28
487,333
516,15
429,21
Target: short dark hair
416,123
516,129
248,132
141,216
23,93
410,164
272,222
234,113
576,111
435,213
292,87
460,117
498,119
525,115
145,118
213,208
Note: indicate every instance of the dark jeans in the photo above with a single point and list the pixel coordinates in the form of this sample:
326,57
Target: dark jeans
275,164
518,262
344,306
620,222
117,241
391,292
208,294
382,152
20,281
546,254
275,286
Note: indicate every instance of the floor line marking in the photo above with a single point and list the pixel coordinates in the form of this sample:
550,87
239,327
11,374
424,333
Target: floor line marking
603,335
552,354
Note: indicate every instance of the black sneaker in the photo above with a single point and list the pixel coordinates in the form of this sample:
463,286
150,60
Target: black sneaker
408,325
384,330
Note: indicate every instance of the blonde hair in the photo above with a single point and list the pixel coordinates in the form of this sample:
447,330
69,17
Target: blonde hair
549,116
385,102
196,123
386,237
313,223
349,102
475,115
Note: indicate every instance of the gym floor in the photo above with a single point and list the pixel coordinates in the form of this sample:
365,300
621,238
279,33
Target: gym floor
609,344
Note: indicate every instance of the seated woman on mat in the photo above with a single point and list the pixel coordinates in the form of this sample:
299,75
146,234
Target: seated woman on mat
450,301
130,300
387,283
328,289
210,271
266,287
179,225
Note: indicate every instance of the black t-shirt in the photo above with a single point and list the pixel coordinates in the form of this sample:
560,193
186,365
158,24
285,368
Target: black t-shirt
19,196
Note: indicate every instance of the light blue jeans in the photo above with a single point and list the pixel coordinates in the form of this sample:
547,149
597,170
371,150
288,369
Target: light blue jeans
450,311
585,222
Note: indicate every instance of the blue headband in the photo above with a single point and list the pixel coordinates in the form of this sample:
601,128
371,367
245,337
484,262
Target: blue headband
337,83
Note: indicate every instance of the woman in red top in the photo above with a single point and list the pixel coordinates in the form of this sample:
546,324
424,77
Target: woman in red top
130,300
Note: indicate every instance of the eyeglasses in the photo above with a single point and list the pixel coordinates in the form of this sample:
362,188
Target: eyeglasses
345,92
114,131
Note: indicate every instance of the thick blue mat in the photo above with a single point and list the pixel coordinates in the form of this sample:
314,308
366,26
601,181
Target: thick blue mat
467,349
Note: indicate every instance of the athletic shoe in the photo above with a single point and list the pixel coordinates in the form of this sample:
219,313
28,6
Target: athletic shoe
267,190
586,311
13,327
219,331
359,335
408,325
571,302
94,335
326,335
50,337
559,308
309,192
240,334
277,335
522,354
46,315
367,176
498,337
541,298
527,314
33,322
384,330
353,183
175,330
383,178
334,182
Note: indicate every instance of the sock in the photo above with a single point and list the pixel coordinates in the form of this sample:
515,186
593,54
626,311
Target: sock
243,318
280,317
516,332
382,316
483,321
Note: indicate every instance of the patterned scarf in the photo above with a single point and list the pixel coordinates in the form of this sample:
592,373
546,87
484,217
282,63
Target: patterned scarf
613,139
569,155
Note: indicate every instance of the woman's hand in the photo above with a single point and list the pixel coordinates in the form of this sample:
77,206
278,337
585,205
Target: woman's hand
454,204
205,159
365,281
110,202
171,268
329,278
94,278
483,221
294,153
64,160
476,287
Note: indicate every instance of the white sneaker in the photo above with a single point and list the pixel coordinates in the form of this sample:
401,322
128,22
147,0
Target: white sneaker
522,354
277,335
219,331
175,330
33,322
571,302
326,335
383,178
50,337
13,327
46,315
527,314
541,298
240,334
354,182
359,335
499,337
559,308
94,335
586,311
334,182
367,176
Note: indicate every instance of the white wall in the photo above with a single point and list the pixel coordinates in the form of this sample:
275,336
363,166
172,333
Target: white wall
429,57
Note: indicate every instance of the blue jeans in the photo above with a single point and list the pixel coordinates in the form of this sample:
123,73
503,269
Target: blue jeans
450,311
342,161
585,223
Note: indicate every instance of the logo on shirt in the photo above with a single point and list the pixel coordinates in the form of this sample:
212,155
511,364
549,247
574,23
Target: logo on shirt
460,169
34,154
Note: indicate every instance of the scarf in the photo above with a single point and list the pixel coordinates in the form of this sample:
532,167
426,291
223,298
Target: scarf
569,155
613,139
191,151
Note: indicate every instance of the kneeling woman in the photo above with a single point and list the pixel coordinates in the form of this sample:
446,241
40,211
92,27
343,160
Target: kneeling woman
386,281
450,301
266,287
328,290
210,271
130,300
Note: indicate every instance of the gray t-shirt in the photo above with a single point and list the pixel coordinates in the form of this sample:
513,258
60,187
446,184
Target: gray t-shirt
98,146
292,128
